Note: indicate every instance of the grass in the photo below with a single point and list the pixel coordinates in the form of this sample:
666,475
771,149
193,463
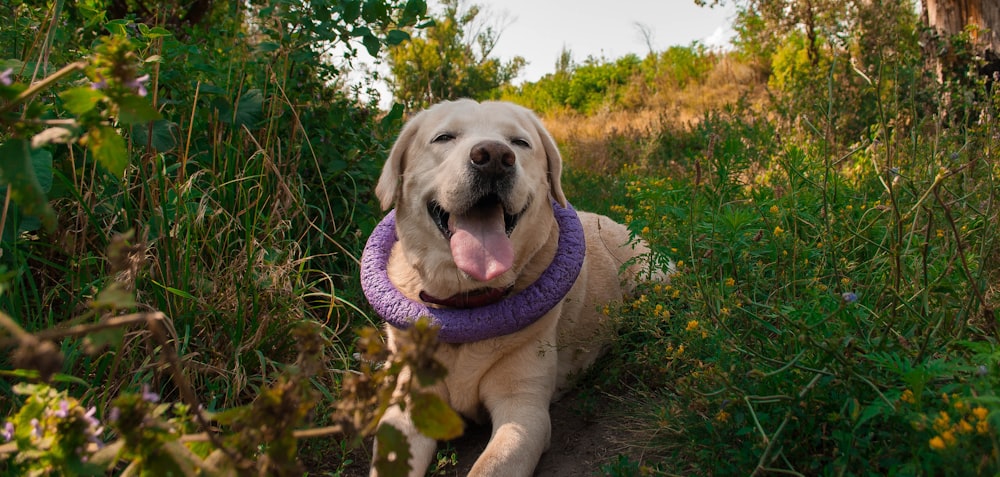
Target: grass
833,311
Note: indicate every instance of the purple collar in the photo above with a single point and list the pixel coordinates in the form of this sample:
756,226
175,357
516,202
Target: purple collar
506,316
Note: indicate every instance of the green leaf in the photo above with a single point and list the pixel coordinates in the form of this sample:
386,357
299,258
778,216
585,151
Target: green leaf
81,99
114,297
371,44
374,11
20,169
41,162
352,10
98,341
164,135
434,418
134,109
396,37
157,32
392,119
175,291
207,88
267,46
117,27
249,108
392,455
109,149
413,10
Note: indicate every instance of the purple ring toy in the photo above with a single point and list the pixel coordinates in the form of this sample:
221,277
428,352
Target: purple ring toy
506,316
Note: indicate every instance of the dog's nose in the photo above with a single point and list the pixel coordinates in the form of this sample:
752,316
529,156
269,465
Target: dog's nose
492,157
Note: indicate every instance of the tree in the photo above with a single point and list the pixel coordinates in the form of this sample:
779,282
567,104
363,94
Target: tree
976,23
451,59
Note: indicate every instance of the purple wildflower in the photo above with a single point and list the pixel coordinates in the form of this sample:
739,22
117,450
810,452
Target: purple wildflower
849,297
101,83
8,431
36,429
138,86
148,395
114,414
63,411
89,417
7,77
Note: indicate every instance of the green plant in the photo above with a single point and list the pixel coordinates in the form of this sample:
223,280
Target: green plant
830,312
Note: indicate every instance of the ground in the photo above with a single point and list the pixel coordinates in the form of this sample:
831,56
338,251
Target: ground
584,437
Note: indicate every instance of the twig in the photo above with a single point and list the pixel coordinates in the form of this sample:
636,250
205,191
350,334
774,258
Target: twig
41,85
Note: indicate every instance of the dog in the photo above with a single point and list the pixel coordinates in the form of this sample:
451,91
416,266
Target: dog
483,236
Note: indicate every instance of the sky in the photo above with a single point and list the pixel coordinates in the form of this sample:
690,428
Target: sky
539,29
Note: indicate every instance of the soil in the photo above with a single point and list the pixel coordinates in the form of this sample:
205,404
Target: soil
584,437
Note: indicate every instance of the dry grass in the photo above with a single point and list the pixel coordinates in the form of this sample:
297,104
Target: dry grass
603,141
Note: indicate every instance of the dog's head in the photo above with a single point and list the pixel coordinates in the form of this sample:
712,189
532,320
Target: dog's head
472,184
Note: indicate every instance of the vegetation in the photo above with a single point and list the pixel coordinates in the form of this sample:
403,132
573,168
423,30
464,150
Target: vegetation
451,59
187,192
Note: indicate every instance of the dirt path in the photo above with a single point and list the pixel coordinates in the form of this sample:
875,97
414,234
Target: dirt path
582,441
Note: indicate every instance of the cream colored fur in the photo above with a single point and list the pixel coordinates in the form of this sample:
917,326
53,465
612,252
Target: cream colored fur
509,380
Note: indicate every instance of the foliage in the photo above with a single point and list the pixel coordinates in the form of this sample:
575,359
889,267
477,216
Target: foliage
208,175
585,88
832,313
451,60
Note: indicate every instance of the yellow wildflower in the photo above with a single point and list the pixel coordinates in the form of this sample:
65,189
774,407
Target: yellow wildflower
730,281
722,416
982,427
940,233
774,209
942,422
964,427
937,443
980,413
645,230
949,437
692,325
778,230
907,396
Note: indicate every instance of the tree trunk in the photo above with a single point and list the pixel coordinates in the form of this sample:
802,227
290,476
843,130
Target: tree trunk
950,17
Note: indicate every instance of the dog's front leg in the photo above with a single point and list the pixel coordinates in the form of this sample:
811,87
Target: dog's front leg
521,433
421,447
517,396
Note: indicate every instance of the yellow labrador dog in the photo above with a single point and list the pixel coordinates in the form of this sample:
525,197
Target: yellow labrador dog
483,240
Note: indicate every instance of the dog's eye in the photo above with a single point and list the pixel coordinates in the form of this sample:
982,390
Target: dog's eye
520,142
443,137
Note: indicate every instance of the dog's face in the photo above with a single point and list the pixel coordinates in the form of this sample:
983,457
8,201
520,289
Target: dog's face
472,184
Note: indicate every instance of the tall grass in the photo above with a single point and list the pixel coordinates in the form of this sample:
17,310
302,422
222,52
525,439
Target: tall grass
833,308
239,219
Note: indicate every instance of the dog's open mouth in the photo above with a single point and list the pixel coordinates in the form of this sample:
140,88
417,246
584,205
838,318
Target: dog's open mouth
479,236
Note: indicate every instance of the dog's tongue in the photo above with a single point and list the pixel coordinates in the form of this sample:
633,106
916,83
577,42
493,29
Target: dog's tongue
479,243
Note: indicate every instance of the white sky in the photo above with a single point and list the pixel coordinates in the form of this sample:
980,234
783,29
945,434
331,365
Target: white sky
538,29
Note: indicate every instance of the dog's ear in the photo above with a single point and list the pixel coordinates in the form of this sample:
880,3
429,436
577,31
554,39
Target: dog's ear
554,160
390,181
